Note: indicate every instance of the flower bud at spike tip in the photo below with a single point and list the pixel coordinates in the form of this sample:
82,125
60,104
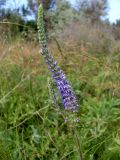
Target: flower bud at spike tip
40,25
67,95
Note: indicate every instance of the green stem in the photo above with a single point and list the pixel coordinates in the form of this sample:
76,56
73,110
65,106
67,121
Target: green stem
77,140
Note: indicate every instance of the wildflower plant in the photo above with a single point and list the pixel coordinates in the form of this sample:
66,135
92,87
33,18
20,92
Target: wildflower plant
68,97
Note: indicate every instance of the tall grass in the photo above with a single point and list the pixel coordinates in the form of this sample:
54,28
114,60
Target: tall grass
32,128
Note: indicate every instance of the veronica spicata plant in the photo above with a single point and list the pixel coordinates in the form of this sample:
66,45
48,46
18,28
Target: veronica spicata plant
67,95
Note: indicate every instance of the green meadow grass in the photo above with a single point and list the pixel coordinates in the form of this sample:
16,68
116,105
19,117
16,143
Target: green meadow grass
31,128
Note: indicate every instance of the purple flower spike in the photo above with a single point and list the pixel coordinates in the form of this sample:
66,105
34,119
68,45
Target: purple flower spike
68,97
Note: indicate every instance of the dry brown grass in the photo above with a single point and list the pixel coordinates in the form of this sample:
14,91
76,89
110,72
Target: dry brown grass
95,39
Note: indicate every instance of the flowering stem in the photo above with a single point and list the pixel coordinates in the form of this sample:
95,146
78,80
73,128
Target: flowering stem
67,95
